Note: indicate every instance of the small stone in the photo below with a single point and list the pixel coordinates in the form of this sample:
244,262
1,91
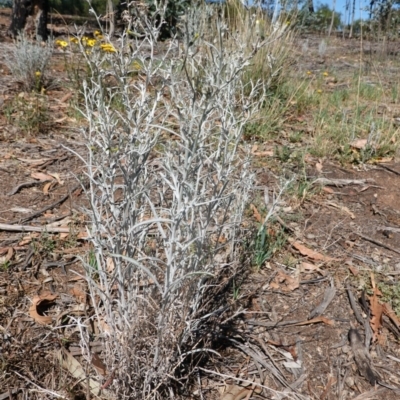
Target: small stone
349,381
346,349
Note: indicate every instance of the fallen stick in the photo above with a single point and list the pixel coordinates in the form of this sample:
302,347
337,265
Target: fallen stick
361,357
377,243
388,229
27,228
25,185
393,171
43,210
342,182
9,394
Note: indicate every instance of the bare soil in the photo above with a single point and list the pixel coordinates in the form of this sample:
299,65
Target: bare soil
354,231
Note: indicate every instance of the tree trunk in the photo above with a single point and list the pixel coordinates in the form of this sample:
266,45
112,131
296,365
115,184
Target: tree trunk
333,17
111,17
353,12
29,17
310,6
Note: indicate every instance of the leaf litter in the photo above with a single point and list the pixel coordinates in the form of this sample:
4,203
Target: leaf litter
290,299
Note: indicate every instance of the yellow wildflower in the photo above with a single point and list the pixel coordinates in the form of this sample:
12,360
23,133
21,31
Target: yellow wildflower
98,35
308,72
136,66
91,42
108,48
38,74
74,40
319,91
325,74
61,43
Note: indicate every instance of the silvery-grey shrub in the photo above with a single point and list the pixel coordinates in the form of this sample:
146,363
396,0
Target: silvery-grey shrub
28,61
168,181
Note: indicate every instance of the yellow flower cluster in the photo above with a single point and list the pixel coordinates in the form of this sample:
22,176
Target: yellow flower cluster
108,48
98,35
89,42
136,65
61,43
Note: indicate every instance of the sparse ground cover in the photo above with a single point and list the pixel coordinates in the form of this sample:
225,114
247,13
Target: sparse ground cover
326,179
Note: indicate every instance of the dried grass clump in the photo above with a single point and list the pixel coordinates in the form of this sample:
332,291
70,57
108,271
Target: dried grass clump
28,62
271,62
168,186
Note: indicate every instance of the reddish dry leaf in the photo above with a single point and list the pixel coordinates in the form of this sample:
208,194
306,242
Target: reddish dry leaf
235,392
40,176
41,319
275,342
57,176
359,143
328,387
99,365
305,251
255,305
47,187
4,250
309,159
376,310
388,311
110,265
77,192
82,235
7,257
77,371
78,293
256,214
354,270
304,266
284,282
104,327
109,381
328,190
28,239
66,97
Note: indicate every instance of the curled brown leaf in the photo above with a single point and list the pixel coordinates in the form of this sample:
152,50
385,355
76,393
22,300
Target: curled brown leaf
36,301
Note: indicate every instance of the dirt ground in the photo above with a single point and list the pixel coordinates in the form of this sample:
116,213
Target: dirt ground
343,245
